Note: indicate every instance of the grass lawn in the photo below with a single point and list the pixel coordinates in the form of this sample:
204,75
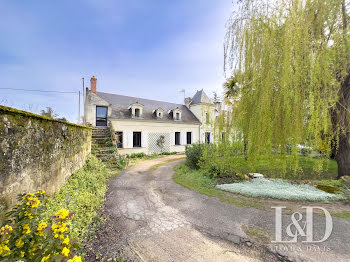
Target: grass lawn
274,168
194,180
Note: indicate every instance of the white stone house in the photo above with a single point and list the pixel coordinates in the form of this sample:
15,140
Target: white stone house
151,126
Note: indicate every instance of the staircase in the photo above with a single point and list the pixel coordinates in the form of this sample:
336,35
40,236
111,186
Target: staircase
102,146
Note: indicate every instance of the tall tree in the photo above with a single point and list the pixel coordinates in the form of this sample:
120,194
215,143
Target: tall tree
48,112
291,59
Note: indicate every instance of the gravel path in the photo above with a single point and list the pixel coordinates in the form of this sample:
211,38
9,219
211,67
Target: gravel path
151,218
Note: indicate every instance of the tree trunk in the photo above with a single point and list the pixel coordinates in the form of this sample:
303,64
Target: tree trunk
343,156
340,121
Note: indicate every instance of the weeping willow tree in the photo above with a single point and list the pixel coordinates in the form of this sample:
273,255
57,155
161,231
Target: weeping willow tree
291,61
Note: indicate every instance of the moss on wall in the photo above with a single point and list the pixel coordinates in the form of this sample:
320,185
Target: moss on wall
38,152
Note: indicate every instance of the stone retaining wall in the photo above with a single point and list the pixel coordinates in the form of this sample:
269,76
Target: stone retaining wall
37,153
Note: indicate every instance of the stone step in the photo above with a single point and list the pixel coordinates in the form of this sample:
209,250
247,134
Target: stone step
105,149
100,135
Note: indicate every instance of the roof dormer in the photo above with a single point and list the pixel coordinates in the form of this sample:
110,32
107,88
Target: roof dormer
159,112
176,114
136,110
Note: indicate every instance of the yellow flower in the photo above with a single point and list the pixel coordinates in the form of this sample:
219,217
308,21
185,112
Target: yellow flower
19,243
75,259
5,230
22,254
59,227
66,241
26,229
4,250
62,214
28,214
20,261
65,252
46,258
41,192
42,226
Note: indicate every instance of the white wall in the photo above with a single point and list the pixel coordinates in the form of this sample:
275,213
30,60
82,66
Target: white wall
91,101
200,110
146,127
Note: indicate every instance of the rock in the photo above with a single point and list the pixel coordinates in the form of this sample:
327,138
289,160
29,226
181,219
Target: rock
246,177
249,244
345,178
256,175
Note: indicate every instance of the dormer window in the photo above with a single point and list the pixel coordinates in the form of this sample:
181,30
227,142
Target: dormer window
177,114
136,110
159,113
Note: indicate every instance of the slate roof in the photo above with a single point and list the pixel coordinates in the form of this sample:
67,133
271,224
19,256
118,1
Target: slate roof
201,97
121,103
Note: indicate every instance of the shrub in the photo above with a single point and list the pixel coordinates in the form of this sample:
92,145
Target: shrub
168,153
223,160
136,155
122,161
83,194
194,153
27,237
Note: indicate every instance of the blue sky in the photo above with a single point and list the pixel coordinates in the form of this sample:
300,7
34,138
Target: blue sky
149,48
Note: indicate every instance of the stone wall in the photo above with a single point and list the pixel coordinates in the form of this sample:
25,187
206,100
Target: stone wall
37,153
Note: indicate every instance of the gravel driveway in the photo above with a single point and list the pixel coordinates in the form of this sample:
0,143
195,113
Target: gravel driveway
151,218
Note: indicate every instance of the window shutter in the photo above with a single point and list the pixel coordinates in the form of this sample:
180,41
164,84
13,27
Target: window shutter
183,138
211,137
128,139
194,137
144,139
172,138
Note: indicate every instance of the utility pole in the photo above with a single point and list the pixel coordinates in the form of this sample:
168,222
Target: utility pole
83,91
79,109
83,101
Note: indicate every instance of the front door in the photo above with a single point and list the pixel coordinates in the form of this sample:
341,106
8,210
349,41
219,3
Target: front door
101,115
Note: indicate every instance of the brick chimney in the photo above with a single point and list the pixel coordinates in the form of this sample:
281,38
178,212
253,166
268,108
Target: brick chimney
93,81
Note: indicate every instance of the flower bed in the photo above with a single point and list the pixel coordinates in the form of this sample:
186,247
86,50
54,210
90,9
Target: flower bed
277,188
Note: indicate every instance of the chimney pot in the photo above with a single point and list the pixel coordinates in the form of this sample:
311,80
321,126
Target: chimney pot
93,82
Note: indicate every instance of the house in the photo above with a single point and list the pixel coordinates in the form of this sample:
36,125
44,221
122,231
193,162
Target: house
151,126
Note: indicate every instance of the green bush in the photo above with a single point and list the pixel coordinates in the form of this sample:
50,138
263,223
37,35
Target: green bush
194,153
223,160
83,194
122,161
136,155
168,153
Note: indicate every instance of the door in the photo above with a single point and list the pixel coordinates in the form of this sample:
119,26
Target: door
101,115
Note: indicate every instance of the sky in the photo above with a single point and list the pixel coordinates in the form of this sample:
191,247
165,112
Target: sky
150,49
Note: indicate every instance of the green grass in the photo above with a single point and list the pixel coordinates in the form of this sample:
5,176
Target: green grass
195,180
83,194
309,168
345,215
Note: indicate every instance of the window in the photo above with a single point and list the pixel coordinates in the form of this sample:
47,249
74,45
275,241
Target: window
101,115
177,138
137,139
119,136
207,117
159,114
137,112
189,138
207,137
177,116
